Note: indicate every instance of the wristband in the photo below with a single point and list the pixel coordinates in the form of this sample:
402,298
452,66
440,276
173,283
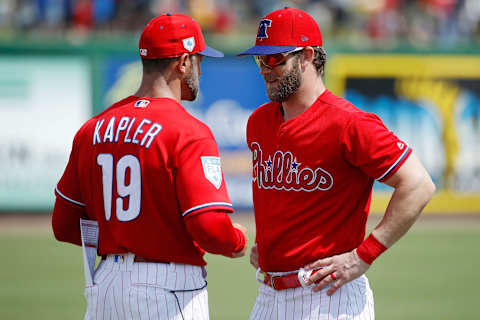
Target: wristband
370,249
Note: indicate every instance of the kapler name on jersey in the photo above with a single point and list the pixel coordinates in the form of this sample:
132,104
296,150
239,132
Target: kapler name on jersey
282,171
126,130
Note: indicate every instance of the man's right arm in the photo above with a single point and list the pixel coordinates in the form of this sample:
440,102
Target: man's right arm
214,232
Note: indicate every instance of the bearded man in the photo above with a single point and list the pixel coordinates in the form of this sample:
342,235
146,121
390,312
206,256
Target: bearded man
315,158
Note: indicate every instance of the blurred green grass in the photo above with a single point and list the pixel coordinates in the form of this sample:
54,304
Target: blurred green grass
429,274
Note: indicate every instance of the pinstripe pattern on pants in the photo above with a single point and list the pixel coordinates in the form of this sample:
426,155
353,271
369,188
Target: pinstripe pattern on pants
353,301
124,289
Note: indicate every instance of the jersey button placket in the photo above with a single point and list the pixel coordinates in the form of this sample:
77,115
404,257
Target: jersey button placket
280,136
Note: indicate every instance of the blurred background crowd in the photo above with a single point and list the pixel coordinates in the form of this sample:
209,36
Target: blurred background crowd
356,23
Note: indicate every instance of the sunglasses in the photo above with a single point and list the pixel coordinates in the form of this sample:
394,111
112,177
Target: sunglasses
272,60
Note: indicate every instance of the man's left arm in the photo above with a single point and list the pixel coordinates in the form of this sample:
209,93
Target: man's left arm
413,189
66,222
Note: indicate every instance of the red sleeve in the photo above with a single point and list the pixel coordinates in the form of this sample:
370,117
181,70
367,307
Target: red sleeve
66,221
369,145
199,178
214,232
68,188
69,206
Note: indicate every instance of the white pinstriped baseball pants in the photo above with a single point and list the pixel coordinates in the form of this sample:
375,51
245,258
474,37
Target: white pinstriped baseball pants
124,289
353,301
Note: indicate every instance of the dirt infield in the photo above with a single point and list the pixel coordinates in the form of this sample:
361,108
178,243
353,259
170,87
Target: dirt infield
25,223
40,223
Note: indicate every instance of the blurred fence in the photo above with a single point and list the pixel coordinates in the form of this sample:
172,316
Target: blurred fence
430,99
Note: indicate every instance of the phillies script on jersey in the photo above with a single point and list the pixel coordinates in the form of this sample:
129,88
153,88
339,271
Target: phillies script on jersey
312,178
139,168
284,172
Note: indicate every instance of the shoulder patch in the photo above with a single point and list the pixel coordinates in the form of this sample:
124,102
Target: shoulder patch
212,170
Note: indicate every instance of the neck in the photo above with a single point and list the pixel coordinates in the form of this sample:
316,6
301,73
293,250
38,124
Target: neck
303,98
157,86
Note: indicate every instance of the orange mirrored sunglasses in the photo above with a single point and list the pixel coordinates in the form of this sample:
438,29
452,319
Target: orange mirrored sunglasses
272,60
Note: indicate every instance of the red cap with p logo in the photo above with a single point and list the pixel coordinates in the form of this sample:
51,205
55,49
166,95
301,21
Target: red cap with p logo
284,30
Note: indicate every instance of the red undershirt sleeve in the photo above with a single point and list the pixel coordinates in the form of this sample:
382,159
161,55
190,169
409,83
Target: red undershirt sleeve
213,231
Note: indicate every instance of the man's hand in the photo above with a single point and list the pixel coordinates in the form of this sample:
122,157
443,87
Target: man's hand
242,252
254,256
344,267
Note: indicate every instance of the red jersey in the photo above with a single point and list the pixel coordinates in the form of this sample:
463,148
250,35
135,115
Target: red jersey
313,178
139,168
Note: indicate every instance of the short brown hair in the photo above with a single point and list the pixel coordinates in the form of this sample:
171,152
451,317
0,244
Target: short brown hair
160,65
319,60
156,65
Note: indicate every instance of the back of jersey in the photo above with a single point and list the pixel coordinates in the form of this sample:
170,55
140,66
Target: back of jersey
140,168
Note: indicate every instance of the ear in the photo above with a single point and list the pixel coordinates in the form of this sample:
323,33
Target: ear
308,55
183,63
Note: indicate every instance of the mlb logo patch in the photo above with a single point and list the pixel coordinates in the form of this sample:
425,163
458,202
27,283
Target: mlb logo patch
143,52
141,103
212,170
189,43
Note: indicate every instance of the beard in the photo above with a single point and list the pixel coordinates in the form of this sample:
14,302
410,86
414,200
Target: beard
287,85
193,83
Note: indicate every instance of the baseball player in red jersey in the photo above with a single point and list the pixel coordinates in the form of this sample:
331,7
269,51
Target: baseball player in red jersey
149,173
315,158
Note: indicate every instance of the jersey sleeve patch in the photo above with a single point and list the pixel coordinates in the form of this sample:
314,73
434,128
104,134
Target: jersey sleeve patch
208,205
212,170
78,203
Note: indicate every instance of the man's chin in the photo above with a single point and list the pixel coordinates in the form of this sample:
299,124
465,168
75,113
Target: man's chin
191,96
272,96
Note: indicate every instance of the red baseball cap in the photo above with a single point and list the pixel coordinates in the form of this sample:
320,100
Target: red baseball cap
284,30
171,35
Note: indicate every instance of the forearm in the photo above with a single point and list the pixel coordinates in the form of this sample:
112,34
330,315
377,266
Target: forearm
404,208
214,232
